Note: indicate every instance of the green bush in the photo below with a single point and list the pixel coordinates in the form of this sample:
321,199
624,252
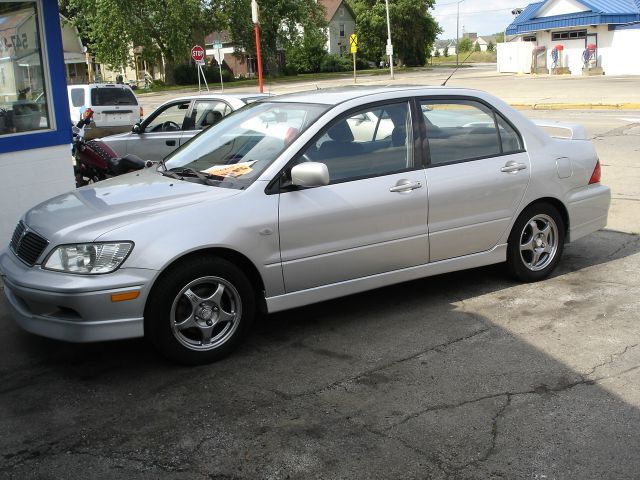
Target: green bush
306,55
335,63
187,74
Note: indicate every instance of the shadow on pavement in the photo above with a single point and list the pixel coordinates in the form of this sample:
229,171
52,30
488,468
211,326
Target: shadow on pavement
466,375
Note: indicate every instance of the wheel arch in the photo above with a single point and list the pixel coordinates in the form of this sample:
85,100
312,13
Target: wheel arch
233,256
561,207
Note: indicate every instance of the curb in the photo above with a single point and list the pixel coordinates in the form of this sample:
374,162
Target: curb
576,106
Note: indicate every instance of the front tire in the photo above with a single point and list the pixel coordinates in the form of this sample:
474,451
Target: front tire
199,310
535,243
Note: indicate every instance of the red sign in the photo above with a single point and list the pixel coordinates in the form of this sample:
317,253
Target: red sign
197,53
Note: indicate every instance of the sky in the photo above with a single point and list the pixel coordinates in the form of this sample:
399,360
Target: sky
481,16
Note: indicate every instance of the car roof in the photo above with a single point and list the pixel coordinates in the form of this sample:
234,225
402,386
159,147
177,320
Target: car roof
100,85
220,96
336,95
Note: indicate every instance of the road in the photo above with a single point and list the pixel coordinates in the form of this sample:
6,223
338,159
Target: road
466,375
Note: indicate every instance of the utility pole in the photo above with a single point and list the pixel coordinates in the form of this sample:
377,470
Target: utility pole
389,44
458,32
256,21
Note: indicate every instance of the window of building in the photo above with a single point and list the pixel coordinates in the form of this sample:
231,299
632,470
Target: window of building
341,11
569,35
529,38
23,96
342,29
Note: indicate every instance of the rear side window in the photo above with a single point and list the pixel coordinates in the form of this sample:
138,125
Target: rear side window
459,130
77,97
103,96
511,142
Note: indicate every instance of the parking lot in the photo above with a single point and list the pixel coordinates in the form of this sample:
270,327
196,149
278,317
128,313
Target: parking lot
465,375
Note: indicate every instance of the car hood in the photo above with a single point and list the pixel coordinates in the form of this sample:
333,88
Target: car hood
84,214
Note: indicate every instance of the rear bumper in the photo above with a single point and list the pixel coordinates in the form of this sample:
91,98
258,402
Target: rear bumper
588,210
72,307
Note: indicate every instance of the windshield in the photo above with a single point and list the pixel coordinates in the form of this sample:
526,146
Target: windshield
234,152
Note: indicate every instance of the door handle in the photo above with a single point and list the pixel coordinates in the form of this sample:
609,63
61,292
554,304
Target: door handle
513,167
171,143
405,186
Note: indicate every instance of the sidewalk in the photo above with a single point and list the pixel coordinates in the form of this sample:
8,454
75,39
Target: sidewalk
539,92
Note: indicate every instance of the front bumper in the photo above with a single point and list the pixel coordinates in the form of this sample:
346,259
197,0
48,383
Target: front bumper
75,308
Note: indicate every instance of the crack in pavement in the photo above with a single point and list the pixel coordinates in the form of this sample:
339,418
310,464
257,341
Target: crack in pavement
612,357
343,382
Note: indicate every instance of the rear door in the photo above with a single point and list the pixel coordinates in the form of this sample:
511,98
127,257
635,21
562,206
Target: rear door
477,175
161,133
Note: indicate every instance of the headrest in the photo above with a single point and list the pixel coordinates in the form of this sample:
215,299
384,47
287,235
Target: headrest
341,132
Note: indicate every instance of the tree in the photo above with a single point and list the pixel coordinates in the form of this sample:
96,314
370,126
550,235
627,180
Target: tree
446,51
412,29
282,23
476,47
499,37
465,45
491,47
161,27
306,55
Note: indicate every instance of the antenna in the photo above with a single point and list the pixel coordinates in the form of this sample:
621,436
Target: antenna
456,69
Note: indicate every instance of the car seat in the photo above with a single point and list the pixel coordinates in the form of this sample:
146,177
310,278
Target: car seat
211,118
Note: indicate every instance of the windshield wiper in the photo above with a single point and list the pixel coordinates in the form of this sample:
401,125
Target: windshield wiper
181,172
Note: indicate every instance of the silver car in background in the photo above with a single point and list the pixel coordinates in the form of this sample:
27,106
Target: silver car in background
175,122
299,199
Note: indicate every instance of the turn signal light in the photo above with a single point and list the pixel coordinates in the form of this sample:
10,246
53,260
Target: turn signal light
141,112
595,176
124,296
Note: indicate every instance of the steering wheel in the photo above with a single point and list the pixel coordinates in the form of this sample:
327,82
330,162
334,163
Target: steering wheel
167,126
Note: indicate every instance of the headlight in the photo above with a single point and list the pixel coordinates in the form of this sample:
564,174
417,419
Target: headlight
88,258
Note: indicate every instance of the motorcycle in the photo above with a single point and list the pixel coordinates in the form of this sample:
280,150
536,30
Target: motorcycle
95,160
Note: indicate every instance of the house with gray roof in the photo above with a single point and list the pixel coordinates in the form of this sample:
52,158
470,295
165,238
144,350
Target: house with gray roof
611,28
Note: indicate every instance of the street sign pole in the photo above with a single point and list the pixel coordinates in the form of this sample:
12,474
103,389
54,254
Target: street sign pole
197,53
220,66
217,46
353,43
354,67
256,21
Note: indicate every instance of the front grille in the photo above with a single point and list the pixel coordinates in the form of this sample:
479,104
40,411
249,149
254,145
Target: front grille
26,244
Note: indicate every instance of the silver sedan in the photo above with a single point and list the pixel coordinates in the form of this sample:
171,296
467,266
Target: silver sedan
299,199
175,122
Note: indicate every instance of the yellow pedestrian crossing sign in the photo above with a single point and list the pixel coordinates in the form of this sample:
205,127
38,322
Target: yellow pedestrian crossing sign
353,41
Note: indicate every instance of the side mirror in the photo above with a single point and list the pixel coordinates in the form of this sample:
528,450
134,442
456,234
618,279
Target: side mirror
310,174
136,128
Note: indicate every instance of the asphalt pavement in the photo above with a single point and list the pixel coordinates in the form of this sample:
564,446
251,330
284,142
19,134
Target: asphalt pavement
466,375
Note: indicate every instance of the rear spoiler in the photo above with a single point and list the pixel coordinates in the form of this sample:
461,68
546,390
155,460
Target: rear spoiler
575,131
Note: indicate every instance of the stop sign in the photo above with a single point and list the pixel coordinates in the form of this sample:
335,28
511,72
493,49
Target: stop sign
197,53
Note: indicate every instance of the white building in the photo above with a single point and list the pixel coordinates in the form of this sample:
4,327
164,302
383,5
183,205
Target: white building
612,26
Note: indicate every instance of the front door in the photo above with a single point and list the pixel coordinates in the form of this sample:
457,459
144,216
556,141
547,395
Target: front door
371,218
161,132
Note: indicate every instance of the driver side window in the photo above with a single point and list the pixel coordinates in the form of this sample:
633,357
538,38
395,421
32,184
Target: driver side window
371,142
169,119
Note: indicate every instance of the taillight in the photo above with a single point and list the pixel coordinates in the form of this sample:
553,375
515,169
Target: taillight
141,112
595,176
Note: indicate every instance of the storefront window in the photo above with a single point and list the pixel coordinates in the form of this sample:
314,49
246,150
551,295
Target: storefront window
23,96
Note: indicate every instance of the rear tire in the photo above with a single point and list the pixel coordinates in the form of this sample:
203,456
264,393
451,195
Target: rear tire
199,310
535,243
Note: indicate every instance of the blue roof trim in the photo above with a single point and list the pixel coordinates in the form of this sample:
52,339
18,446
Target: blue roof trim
628,26
572,20
48,12
602,12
